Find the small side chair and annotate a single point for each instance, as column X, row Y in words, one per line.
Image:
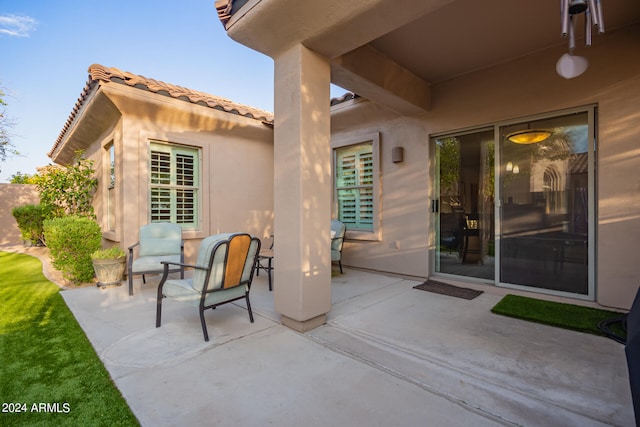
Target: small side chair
column 223, row 273
column 338, row 230
column 265, row 262
column 158, row 242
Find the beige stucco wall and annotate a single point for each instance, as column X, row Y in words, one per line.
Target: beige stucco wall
column 524, row 87
column 11, row 196
column 404, row 189
column 236, row 164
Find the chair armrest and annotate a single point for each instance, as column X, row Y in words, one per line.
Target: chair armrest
column 165, row 273
column 133, row 246
column 168, row 263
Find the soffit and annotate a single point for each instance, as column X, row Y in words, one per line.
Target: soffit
column 434, row 39
column 90, row 119
column 329, row 27
column 468, row 35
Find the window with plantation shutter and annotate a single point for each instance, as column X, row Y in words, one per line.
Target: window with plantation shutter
column 354, row 186
column 174, row 185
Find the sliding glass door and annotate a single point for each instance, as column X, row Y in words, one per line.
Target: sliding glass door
column 464, row 206
column 513, row 202
column 544, row 188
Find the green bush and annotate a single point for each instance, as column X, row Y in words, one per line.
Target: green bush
column 30, row 219
column 71, row 241
column 67, row 190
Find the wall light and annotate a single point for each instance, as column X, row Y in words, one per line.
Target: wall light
column 529, row 136
column 397, row 154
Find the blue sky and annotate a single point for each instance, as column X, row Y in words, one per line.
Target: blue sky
column 47, row 46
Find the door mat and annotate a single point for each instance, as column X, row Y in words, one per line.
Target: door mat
column 450, row 290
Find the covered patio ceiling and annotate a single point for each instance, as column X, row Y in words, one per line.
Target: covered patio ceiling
column 467, row 35
column 418, row 42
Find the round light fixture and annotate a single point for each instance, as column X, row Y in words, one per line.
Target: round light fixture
column 529, row 136
column 569, row 66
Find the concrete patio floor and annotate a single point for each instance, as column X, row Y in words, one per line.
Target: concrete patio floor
column 389, row 355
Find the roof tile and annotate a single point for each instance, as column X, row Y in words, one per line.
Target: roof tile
column 104, row 74
column 99, row 73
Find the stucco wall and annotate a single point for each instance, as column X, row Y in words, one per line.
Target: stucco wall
column 236, row 165
column 524, row 87
column 11, row 196
column 404, row 194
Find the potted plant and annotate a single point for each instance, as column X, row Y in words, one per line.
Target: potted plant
column 109, row 265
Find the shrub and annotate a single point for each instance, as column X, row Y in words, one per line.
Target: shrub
column 71, row 241
column 22, row 178
column 68, row 190
column 30, row 219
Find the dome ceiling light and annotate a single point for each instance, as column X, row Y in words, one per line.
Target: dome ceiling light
column 529, row 136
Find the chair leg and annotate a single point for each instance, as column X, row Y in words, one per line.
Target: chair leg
column 143, row 279
column 130, row 277
column 158, row 311
column 249, row 307
column 204, row 325
column 269, row 269
column 340, row 264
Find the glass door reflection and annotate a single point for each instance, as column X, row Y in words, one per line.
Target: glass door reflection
column 544, row 234
column 465, row 214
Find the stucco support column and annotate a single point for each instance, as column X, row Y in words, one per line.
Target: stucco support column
column 302, row 188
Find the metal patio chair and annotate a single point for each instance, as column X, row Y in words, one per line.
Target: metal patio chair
column 223, row 273
column 337, row 241
column 158, row 242
column 265, row 261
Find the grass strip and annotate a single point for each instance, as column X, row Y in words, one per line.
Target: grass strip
column 567, row 316
column 50, row 374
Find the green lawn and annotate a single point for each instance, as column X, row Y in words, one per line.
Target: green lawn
column 49, row 371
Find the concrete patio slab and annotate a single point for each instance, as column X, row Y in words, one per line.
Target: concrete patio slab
column 389, row 355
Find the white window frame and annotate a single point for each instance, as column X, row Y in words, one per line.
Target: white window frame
column 372, row 234
column 172, row 184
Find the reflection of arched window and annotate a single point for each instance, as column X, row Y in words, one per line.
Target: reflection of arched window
column 552, row 190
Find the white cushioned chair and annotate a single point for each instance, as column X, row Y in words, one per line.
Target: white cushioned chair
column 158, row 242
column 223, row 273
column 338, row 230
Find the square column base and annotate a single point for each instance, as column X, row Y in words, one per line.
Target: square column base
column 305, row 325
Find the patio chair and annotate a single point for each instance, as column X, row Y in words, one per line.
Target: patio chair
column 338, row 230
column 157, row 242
column 265, row 261
column 223, row 273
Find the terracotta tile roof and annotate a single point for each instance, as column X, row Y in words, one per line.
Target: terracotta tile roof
column 224, row 8
column 99, row 73
column 344, row 98
column 104, row 74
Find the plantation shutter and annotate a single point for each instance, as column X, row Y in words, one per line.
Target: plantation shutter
column 174, row 185
column 185, row 197
column 354, row 186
